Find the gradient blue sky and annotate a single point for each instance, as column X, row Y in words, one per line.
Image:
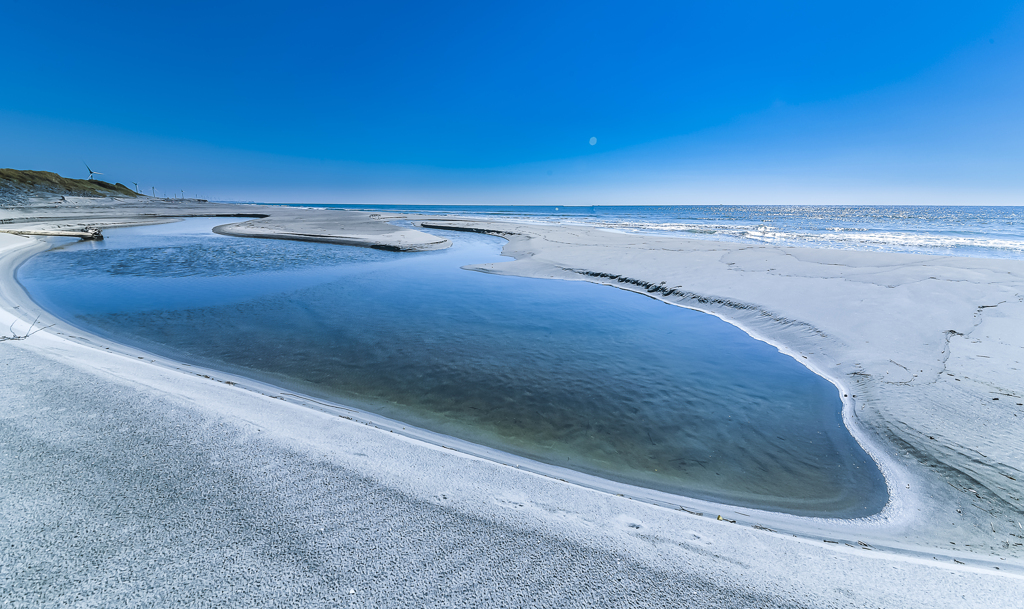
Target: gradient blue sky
column 395, row 102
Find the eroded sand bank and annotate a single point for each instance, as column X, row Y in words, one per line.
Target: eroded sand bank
column 467, row 524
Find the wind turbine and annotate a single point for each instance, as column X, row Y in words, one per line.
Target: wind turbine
column 136, row 187
column 154, row 191
column 91, row 172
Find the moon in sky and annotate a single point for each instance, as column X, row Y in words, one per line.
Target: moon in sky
column 593, row 141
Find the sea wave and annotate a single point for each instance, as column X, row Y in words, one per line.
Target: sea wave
column 991, row 232
column 839, row 237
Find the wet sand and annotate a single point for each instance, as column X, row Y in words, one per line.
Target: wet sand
column 256, row 473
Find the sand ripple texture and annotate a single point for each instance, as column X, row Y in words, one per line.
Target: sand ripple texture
column 121, row 493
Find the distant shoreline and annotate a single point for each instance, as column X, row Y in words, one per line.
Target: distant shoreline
column 963, row 231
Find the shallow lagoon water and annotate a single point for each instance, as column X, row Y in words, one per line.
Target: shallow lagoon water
column 573, row 374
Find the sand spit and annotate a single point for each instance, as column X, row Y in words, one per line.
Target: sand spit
column 359, row 228
column 363, row 229
column 131, row 480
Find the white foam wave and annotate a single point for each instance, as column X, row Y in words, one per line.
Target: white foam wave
column 948, row 239
column 840, row 237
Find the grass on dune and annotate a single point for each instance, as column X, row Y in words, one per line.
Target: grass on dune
column 52, row 182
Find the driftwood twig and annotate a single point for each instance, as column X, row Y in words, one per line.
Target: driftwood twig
column 15, row 336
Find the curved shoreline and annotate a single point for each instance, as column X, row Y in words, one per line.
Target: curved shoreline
column 891, row 471
column 914, row 549
column 895, row 476
column 617, row 260
column 843, row 530
column 589, row 479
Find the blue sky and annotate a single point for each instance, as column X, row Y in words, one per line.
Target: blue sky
column 394, row 102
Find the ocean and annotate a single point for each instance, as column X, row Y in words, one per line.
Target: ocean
column 973, row 231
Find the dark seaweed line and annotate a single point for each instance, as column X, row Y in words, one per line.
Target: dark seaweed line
column 677, row 294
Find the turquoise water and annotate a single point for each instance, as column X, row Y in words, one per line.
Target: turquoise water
column 574, row 374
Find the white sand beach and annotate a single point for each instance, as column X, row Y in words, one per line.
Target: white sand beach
column 129, row 479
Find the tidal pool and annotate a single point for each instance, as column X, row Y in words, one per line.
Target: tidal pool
column 572, row 374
